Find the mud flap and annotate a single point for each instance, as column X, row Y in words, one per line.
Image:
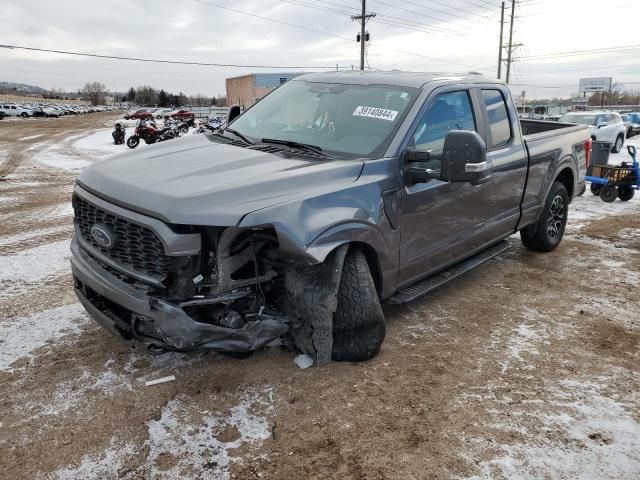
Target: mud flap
column 311, row 302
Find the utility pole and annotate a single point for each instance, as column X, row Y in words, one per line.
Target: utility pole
column 501, row 42
column 363, row 21
column 510, row 50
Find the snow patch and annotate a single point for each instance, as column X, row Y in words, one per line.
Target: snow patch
column 33, row 266
column 594, row 436
column 31, row 137
column 196, row 447
column 21, row 336
column 107, row 466
column 182, row 440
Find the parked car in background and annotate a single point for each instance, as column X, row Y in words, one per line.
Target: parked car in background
column 45, row 112
column 605, row 126
column 181, row 114
column 141, row 114
column 161, row 112
column 632, row 122
column 11, row 110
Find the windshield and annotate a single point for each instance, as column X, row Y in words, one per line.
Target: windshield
column 581, row 119
column 356, row 120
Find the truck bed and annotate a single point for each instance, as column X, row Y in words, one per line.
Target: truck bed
column 547, row 143
column 537, row 129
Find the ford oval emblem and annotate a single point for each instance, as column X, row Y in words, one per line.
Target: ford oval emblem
column 102, row 236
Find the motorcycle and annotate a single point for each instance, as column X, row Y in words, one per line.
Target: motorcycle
column 179, row 124
column 212, row 124
column 147, row 131
column 118, row 134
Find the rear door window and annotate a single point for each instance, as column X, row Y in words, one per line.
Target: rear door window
column 499, row 123
column 450, row 111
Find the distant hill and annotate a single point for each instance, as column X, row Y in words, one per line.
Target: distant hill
column 11, row 87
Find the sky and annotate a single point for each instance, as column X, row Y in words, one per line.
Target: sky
column 315, row 35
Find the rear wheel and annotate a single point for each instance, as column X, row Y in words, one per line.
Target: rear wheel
column 545, row 235
column 619, row 143
column 358, row 322
column 133, row 141
column 609, row 193
column 595, row 189
column 626, row 193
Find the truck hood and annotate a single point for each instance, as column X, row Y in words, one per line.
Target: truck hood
column 197, row 181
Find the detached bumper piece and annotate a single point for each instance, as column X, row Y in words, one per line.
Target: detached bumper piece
column 131, row 314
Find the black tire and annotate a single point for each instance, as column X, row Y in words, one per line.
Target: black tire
column 595, row 189
column 626, row 193
column 358, row 322
column 133, row 141
column 24, row 114
column 618, row 144
column 184, row 128
column 609, row 193
column 546, row 234
column 629, row 134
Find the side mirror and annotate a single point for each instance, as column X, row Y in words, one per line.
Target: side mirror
column 602, row 124
column 415, row 172
column 464, row 158
column 234, row 112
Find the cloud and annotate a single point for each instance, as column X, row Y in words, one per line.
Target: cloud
column 190, row 31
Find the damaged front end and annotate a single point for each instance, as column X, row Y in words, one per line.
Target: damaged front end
column 180, row 288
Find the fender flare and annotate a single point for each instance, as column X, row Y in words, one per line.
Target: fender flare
column 566, row 162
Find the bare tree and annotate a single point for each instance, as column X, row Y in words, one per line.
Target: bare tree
column 94, row 92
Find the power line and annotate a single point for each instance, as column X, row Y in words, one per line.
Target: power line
column 413, row 12
column 453, row 7
column 454, row 15
column 269, row 19
column 337, row 36
column 156, row 60
column 393, row 21
column 571, row 53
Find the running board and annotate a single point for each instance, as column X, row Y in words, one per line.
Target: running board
column 415, row 291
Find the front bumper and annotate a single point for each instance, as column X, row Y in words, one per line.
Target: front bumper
column 131, row 314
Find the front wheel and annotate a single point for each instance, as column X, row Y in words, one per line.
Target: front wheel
column 133, row 141
column 358, row 322
column 596, row 189
column 24, row 114
column 626, row 193
column 545, row 235
column 619, row 143
column 609, row 193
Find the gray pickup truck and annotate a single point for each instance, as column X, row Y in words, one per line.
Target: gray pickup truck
column 332, row 194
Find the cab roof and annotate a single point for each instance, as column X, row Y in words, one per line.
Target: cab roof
column 394, row 77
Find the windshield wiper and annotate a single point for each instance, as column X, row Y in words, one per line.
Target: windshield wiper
column 298, row 145
column 239, row 135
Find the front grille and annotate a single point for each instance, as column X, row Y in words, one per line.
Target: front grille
column 136, row 247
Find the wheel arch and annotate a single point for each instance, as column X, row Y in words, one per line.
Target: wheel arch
column 567, row 177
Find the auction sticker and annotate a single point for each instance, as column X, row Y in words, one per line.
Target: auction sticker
column 374, row 112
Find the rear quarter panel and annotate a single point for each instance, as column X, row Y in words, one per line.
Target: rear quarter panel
column 549, row 154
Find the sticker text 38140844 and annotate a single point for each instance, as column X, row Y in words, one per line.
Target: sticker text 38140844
column 374, row 112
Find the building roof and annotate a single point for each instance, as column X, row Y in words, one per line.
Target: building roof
column 393, row 77
column 273, row 74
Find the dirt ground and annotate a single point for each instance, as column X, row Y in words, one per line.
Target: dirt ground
column 525, row 368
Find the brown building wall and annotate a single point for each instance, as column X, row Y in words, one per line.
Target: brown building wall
column 241, row 90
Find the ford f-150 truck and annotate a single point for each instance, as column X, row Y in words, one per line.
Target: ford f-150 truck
column 332, row 194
